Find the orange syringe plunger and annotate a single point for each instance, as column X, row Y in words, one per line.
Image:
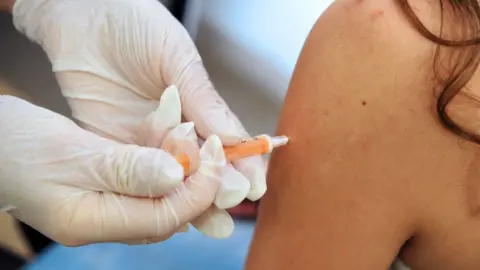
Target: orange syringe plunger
column 184, row 160
column 259, row 145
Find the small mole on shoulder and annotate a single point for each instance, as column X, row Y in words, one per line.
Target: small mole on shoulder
column 364, row 103
column 377, row 14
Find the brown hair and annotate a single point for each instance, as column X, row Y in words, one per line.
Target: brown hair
column 467, row 52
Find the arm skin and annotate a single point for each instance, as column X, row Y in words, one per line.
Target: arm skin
column 367, row 155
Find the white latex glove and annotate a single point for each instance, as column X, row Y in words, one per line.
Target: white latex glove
column 114, row 58
column 67, row 182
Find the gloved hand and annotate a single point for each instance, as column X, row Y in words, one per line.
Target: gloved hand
column 71, row 184
column 114, row 58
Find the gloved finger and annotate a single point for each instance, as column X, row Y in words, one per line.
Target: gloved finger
column 253, row 168
column 215, row 223
column 233, row 190
column 112, row 217
column 167, row 116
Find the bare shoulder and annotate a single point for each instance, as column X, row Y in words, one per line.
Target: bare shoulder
column 368, row 158
column 363, row 91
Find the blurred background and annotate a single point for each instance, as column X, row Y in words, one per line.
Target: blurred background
column 249, row 48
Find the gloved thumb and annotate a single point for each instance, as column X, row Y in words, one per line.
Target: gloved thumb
column 136, row 171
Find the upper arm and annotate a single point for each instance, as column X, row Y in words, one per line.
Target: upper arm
column 343, row 194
